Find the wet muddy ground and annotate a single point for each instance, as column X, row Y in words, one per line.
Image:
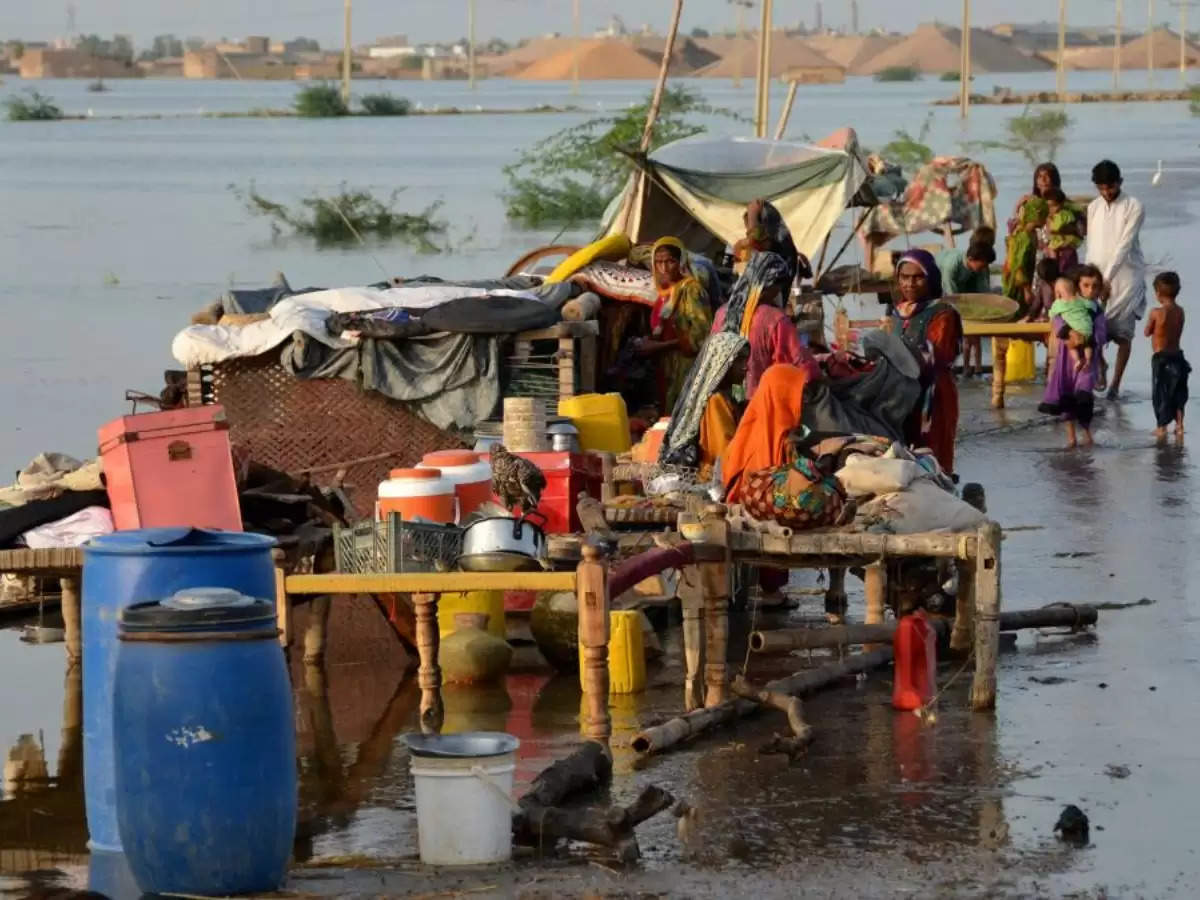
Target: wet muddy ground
column 882, row 805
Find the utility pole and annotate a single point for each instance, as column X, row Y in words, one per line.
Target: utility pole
column 763, row 106
column 346, row 60
column 1117, row 49
column 1183, row 27
column 1061, row 78
column 471, row 43
column 739, row 52
column 964, row 71
column 854, row 16
column 575, row 47
column 1150, row 44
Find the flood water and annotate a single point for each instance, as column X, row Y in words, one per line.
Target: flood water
column 114, row 232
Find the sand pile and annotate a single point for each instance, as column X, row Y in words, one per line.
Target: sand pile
column 852, row 52
column 520, row 57
column 937, row 49
column 599, row 59
column 740, row 56
column 1135, row 54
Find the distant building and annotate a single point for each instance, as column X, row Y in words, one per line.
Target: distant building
column 258, row 45
column 48, row 63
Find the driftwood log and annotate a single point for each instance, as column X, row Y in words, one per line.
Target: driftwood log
column 795, row 745
column 542, row 819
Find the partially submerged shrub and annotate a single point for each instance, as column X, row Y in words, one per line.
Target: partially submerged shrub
column 898, row 73
column 320, row 101
column 33, row 107
column 385, row 105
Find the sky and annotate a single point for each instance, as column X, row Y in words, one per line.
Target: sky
column 428, row 20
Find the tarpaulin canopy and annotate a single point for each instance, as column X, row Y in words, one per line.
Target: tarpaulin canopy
column 708, row 181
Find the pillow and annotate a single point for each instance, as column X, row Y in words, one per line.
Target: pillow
column 617, row 282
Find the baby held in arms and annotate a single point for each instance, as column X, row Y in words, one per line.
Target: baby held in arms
column 1078, row 313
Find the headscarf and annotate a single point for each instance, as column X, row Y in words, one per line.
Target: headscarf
column 705, row 377
column 1021, row 249
column 666, row 308
column 761, row 439
column 764, row 269
column 774, row 235
column 924, row 261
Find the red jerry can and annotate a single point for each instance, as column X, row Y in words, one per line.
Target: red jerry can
column 916, row 662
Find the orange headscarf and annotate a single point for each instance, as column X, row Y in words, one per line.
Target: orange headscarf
column 761, row 438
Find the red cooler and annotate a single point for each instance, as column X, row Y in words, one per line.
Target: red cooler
column 567, row 475
column 169, row 469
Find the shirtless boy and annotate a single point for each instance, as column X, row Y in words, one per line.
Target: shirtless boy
column 1168, row 369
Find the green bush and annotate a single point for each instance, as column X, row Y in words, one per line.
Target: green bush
column 898, row 73
column 569, row 178
column 348, row 216
column 36, row 107
column 952, row 76
column 910, row 151
column 385, row 105
column 1038, row 136
column 320, row 101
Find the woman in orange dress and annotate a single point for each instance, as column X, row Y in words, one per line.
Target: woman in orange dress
column 933, row 330
column 761, row 438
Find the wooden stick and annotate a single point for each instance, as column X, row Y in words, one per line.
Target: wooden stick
column 318, row 623
column 592, row 591
column 861, row 544
column 1061, row 615
column 875, row 591
column 714, row 580
column 836, row 600
column 962, row 637
column 429, row 675
column 792, row 706
column 999, row 370
column 70, row 613
column 780, row 128
column 660, row 86
column 283, row 606
column 987, row 617
column 787, row 640
column 693, row 654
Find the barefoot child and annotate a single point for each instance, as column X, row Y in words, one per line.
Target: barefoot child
column 1091, row 286
column 1069, row 389
column 1078, row 313
column 1168, row 369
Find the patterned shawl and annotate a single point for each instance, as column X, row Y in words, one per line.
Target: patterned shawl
column 709, row 370
column 764, row 270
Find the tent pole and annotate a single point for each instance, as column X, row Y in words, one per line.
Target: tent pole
column 786, row 112
column 853, row 231
column 656, row 102
column 763, row 107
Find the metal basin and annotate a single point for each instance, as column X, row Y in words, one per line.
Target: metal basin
column 467, row 744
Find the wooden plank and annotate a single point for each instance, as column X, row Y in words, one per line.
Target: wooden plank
column 588, row 328
column 429, row 582
column 860, row 544
column 987, row 618
column 1006, row 329
column 45, row 561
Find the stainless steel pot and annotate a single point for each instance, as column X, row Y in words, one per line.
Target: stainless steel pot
column 564, row 437
column 503, row 544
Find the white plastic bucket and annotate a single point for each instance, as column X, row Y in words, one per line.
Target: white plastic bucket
column 464, row 808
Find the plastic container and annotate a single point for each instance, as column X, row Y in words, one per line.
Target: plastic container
column 489, row 603
column 626, row 653
column 418, row 492
column 916, row 662
column 463, row 784
column 131, row 567
column 471, row 477
column 206, row 745
column 1019, row 361
column 649, row 447
column 171, row 468
column 602, row 420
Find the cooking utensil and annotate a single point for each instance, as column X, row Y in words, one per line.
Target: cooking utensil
column 564, row 437
column 503, row 544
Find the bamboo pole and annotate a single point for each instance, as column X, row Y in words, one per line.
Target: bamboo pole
column 471, row 43
column 875, row 546
column 1150, row 44
column 429, row 675
column 784, row 115
column 691, row 597
column 660, row 86
column 962, row 636
column 1060, row 79
column 987, row 617
column 740, row 52
column 575, row 47
column 346, row 61
column 318, row 623
column 283, row 606
column 999, row 370
column 836, row 600
column 71, row 610
column 964, row 74
column 762, row 108
column 1117, row 48
column 875, row 593
column 592, row 592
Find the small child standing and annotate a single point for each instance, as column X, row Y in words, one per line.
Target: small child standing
column 1062, row 224
column 1043, row 291
column 1168, row 369
column 1078, row 313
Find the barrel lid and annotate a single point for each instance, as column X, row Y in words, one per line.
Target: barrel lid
column 449, row 458
column 181, row 540
column 415, row 474
column 198, row 607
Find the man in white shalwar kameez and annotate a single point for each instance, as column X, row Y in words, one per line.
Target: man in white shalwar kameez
column 1114, row 247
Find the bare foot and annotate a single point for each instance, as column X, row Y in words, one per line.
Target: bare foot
column 1160, row 434
column 1072, row 443
column 1114, row 392
column 1087, row 437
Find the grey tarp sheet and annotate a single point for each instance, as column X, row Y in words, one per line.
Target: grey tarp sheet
column 450, row 380
column 877, row 402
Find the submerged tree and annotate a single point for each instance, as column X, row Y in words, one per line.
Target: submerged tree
column 1038, row 136
column 909, row 151
column 348, row 216
column 570, row 177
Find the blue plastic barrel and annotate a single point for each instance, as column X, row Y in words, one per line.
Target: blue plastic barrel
column 131, row 567
column 205, row 745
